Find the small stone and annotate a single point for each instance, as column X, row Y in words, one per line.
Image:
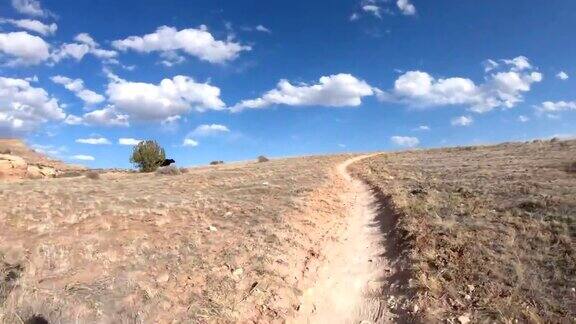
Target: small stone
column 238, row 272
column 464, row 319
column 212, row 228
column 163, row 278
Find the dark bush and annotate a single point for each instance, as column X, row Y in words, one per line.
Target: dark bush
column 147, row 156
column 216, row 162
column 92, row 175
column 262, row 158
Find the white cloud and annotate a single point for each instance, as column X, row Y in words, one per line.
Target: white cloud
column 462, row 121
column 519, row 63
column 129, row 141
column 30, row 7
column 407, row 141
column 523, row 119
column 77, row 87
column 83, row 157
column 406, row 7
column 355, row 16
column 85, row 44
column 189, row 142
column 196, row 42
column 502, row 89
column 562, row 75
column 372, row 9
column 107, row 116
column 490, row 65
column 23, row 48
column 263, row 29
column 32, row 25
column 24, row 107
column 208, row 130
column 94, row 141
column 337, row 90
column 423, row 128
column 170, row 97
column 558, row 106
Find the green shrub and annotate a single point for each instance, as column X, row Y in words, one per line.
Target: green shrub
column 147, row 156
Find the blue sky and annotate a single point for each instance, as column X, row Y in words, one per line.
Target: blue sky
column 231, row 80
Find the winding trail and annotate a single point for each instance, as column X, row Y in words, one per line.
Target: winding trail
column 351, row 284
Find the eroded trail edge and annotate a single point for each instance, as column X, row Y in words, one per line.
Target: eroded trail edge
column 355, row 279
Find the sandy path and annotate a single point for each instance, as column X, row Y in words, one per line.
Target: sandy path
column 350, row 284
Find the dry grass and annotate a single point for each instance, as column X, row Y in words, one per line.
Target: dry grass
column 490, row 230
column 210, row 245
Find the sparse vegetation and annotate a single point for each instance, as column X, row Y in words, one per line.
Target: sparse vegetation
column 213, row 246
column 216, row 162
column 490, row 232
column 571, row 168
column 262, row 158
column 92, row 175
column 147, row 155
column 168, row 170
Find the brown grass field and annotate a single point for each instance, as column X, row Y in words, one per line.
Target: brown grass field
column 214, row 244
column 473, row 235
column 489, row 231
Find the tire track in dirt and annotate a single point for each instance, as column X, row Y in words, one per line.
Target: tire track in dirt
column 351, row 284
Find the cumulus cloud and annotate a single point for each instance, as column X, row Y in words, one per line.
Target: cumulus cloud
column 406, row 7
column 107, row 116
column 83, row 157
column 423, row 128
column 407, row 141
column 462, row 121
column 523, row 119
column 23, row 48
column 558, row 106
column 197, row 42
column 77, row 87
column 502, row 89
column 562, row 75
column 32, row 25
column 84, row 45
column 209, row 130
column 337, row 90
column 24, row 107
column 94, row 141
column 263, row 29
column 189, row 142
column 372, row 9
column 129, row 141
column 30, row 7
column 171, row 97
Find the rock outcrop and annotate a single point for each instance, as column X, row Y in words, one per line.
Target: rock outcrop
column 17, row 161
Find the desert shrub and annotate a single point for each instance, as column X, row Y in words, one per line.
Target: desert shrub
column 147, row 155
column 92, row 175
column 262, row 158
column 183, row 170
column 168, row 170
column 571, row 167
column 216, row 162
column 69, row 174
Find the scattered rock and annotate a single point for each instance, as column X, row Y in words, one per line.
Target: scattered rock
column 464, row 319
column 163, row 278
column 212, row 228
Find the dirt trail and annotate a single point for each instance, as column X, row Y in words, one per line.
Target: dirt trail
column 351, row 282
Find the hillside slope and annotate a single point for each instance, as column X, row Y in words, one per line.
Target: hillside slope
column 490, row 230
